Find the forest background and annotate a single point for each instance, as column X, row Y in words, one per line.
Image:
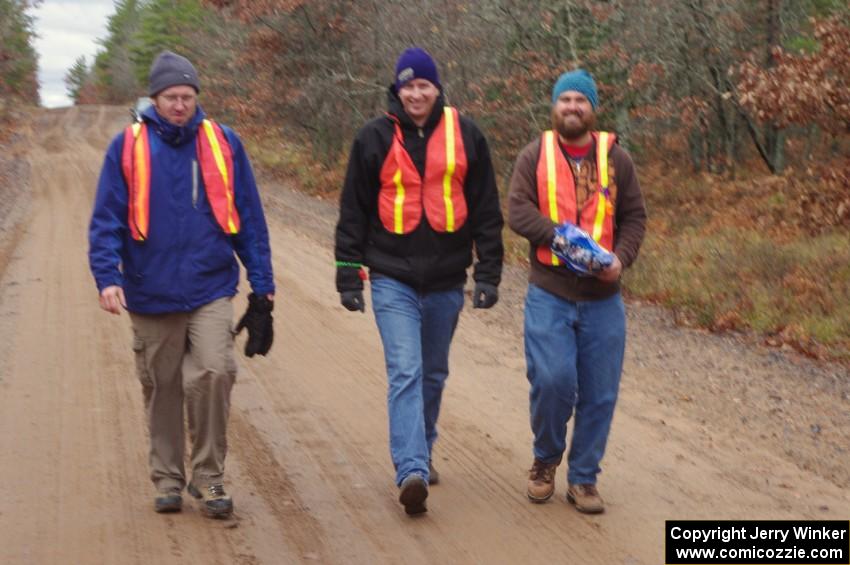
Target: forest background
column 737, row 113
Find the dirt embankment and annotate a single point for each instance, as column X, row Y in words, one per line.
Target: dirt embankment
column 14, row 184
column 706, row 428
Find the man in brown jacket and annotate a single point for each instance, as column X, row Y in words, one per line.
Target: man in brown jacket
column 575, row 325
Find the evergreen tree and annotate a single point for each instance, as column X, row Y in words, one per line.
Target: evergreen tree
column 18, row 60
column 76, row 78
column 166, row 25
column 114, row 69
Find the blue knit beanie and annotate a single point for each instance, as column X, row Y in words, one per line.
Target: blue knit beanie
column 578, row 80
column 416, row 63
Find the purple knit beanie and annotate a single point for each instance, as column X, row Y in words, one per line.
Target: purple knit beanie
column 416, row 63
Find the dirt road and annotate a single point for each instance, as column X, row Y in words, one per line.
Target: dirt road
column 706, row 427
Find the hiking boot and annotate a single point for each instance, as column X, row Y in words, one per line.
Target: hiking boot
column 541, row 481
column 215, row 502
column 169, row 501
column 412, row 494
column 585, row 498
column 433, row 474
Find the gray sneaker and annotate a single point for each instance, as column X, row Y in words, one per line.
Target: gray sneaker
column 412, row 494
column 215, row 502
column 169, row 501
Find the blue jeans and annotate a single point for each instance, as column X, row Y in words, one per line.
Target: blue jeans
column 574, row 354
column 416, row 329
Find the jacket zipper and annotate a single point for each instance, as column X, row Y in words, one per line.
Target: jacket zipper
column 575, row 189
column 194, row 183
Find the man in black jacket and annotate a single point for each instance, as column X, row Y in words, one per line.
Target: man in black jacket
column 419, row 192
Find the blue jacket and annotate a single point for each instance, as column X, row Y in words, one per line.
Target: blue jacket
column 187, row 260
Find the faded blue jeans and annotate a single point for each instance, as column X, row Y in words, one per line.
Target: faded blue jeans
column 416, row 329
column 574, row 355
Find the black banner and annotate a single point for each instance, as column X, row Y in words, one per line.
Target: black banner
column 767, row 542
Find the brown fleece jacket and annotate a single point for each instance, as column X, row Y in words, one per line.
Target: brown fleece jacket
column 525, row 218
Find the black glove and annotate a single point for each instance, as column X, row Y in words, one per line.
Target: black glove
column 485, row 295
column 258, row 320
column 353, row 300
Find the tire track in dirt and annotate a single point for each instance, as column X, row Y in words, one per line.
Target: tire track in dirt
column 269, row 478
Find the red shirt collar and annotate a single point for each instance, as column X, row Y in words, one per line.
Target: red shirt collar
column 577, row 151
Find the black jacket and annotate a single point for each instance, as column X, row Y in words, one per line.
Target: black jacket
column 424, row 259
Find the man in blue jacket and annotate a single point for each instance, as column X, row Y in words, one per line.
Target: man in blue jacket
column 176, row 197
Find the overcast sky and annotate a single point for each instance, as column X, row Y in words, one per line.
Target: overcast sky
column 66, row 29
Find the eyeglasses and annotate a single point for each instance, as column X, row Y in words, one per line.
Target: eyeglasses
column 186, row 99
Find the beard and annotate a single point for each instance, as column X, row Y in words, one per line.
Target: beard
column 573, row 130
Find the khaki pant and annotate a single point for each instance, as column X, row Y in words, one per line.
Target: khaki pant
column 186, row 356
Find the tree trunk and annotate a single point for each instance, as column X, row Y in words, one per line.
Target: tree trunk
column 774, row 142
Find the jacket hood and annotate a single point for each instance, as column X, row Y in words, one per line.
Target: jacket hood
column 396, row 108
column 170, row 133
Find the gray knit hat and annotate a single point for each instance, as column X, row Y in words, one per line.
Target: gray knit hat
column 170, row 69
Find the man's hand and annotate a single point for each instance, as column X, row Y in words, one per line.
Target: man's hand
column 352, row 300
column 485, row 295
column 258, row 319
column 612, row 272
column 112, row 299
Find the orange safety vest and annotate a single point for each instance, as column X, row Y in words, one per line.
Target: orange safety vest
column 404, row 192
column 556, row 193
column 216, row 162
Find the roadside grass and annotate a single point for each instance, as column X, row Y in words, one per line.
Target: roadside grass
column 765, row 254
column 736, row 279
column 298, row 163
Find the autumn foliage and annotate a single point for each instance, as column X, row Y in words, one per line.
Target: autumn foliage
column 803, row 89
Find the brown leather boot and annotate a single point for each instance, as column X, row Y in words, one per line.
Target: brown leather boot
column 412, row 494
column 541, row 481
column 586, row 499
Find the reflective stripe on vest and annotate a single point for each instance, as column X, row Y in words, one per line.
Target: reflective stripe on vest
column 556, row 193
column 602, row 189
column 136, row 164
column 404, row 193
column 216, row 162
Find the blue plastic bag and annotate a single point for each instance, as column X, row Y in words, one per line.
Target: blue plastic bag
column 579, row 252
